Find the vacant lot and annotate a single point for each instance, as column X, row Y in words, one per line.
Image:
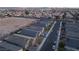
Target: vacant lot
column 10, row 24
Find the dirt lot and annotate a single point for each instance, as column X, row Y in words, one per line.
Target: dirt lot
column 8, row 25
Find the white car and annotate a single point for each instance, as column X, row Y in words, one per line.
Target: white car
column 53, row 47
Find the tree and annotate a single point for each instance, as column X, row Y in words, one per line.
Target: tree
column 2, row 15
column 61, row 45
column 8, row 15
column 26, row 12
column 64, row 15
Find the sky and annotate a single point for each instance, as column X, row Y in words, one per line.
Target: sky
column 39, row 3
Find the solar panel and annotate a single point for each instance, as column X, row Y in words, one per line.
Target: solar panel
column 9, row 46
column 3, row 49
column 68, row 49
column 73, row 43
column 43, row 20
column 16, row 40
column 39, row 24
column 34, row 28
column 27, row 32
column 72, row 35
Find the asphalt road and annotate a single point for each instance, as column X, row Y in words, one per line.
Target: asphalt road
column 47, row 46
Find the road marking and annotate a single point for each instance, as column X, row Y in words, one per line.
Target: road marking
column 58, row 38
column 38, row 49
